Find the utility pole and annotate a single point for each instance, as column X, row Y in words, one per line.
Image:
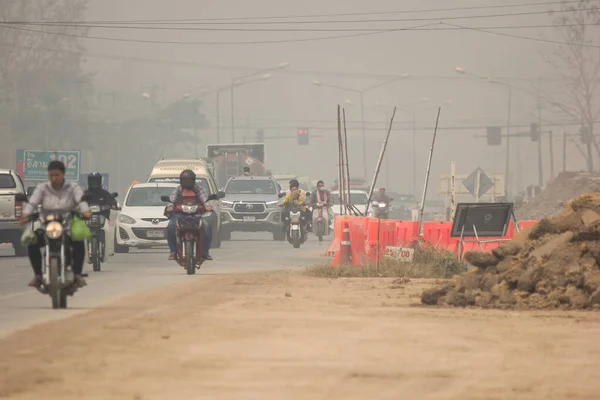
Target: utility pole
column 540, row 164
column 364, row 136
column 565, row 152
column 506, row 175
column 414, row 155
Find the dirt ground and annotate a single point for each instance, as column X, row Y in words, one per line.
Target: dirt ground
column 288, row 336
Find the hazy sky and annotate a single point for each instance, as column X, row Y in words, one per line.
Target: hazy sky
column 289, row 99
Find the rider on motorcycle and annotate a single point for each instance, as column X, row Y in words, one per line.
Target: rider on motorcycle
column 381, row 197
column 187, row 180
column 321, row 195
column 294, row 197
column 100, row 197
column 60, row 196
column 306, row 213
column 246, row 171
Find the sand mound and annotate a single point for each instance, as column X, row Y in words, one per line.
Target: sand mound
column 554, row 264
column 566, row 186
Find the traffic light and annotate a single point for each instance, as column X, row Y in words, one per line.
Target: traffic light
column 260, row 136
column 494, row 136
column 303, row 136
column 534, row 132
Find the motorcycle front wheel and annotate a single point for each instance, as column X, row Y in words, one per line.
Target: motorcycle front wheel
column 95, row 254
column 59, row 298
column 296, row 239
column 190, row 260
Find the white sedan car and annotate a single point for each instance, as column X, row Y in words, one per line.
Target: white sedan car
column 141, row 222
column 358, row 198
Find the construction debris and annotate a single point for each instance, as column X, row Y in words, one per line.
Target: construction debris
column 554, row 264
column 550, row 201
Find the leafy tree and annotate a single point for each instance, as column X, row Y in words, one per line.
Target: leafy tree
column 42, row 86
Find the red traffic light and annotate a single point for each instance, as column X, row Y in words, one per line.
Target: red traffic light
column 302, row 131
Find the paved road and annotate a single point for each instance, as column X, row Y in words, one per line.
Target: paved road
column 140, row 270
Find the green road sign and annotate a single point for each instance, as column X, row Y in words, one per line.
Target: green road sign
column 35, row 163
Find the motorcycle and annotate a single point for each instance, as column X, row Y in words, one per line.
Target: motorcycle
column 187, row 225
column 379, row 209
column 296, row 234
column 320, row 223
column 96, row 245
column 57, row 274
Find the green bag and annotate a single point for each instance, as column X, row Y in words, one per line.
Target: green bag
column 79, row 230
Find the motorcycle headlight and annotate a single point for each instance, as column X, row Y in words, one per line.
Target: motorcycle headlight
column 320, row 204
column 54, row 230
column 381, row 205
column 273, row 204
column 95, row 209
column 125, row 219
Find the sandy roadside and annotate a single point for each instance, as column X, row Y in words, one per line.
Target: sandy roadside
column 287, row 336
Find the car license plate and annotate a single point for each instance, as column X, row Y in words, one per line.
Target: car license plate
column 249, row 219
column 155, row 234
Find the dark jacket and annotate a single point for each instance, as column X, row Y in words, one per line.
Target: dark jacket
column 101, row 197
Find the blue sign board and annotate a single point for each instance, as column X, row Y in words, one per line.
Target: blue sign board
column 34, row 163
column 83, row 180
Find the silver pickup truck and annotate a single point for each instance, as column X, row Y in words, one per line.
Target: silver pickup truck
column 10, row 211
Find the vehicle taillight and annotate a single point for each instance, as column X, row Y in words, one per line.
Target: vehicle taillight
column 18, row 209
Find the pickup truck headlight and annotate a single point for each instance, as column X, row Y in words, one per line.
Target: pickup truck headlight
column 273, row 204
column 227, row 204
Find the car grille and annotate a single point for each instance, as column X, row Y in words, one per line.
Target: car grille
column 142, row 233
column 155, row 219
column 249, row 208
column 257, row 216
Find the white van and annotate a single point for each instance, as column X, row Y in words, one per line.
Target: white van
column 168, row 171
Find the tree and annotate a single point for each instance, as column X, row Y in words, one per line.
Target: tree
column 578, row 65
column 42, row 85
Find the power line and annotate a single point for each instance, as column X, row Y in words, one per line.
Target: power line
column 379, row 30
column 166, row 21
column 287, row 71
column 414, row 28
column 207, row 43
column 527, row 37
column 422, row 19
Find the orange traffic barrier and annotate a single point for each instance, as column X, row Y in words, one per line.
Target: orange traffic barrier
column 406, row 233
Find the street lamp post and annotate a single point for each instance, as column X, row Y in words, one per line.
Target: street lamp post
column 362, row 110
column 233, row 84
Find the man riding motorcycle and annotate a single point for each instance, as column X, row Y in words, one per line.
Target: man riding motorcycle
column 246, row 171
column 294, row 197
column 60, row 196
column 101, row 197
column 306, row 213
column 187, row 181
column 381, row 197
column 322, row 195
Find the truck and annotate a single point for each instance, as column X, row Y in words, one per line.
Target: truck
column 355, row 184
column 11, row 210
column 228, row 160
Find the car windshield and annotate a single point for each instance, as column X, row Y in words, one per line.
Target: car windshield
column 355, row 198
column 200, row 181
column 7, row 181
column 251, row 186
column 148, row 196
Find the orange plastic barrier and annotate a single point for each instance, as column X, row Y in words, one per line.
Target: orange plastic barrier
column 364, row 239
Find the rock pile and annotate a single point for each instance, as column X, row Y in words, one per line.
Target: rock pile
column 554, row 264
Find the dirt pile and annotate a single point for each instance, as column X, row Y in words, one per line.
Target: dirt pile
column 554, row 264
column 566, row 186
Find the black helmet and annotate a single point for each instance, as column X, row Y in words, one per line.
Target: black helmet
column 294, row 183
column 187, row 179
column 94, row 180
